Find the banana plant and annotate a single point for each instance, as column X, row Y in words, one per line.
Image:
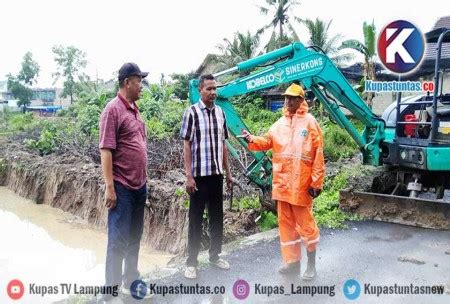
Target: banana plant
column 367, row 48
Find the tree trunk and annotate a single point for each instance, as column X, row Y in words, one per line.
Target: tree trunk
column 369, row 74
column 280, row 39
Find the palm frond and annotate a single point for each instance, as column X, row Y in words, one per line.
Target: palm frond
column 263, row 29
column 263, row 10
column 342, row 58
column 293, row 32
column 354, row 45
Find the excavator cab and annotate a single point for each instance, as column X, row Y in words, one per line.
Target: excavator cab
column 422, row 121
column 416, row 189
column 422, row 130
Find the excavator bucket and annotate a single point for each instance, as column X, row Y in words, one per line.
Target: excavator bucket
column 419, row 212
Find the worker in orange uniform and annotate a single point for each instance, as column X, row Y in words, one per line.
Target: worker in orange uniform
column 298, row 172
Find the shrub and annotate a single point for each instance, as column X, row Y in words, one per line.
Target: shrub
column 21, row 122
column 87, row 119
column 249, row 202
column 326, row 205
column 337, row 142
column 268, row 221
column 48, row 138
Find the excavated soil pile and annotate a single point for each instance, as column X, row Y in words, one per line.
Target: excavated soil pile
column 383, row 207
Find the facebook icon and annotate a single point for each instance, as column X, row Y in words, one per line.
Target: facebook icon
column 138, row 289
column 401, row 46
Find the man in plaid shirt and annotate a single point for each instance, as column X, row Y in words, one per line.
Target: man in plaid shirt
column 204, row 131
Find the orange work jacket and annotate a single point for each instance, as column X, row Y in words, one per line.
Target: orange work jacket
column 297, row 146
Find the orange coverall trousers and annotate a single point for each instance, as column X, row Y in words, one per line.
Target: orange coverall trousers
column 296, row 224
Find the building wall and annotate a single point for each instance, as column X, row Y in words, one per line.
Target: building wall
column 3, row 90
column 47, row 96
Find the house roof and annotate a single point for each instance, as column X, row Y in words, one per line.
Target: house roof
column 208, row 66
column 356, row 71
column 441, row 24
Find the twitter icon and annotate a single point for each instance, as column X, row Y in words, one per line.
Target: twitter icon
column 352, row 289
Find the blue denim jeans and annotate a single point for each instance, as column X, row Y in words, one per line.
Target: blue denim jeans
column 125, row 226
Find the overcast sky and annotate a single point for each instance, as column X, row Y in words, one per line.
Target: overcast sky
column 170, row 35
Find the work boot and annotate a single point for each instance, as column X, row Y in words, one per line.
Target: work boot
column 290, row 268
column 310, row 273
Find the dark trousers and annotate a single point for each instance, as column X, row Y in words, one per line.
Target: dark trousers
column 209, row 193
column 125, row 226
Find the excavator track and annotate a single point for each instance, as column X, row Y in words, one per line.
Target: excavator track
column 419, row 212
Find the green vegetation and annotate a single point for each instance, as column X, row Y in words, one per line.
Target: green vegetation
column 243, row 47
column 19, row 85
column 19, row 122
column 162, row 114
column 368, row 50
column 251, row 108
column 337, row 142
column 180, row 191
column 186, row 204
column 50, row 136
column 162, row 104
column 248, row 202
column 319, row 36
column 326, row 206
column 268, row 221
column 70, row 61
column 281, row 16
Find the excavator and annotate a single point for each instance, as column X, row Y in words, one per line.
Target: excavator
column 411, row 140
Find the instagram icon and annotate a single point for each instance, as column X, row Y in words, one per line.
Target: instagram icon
column 241, row 289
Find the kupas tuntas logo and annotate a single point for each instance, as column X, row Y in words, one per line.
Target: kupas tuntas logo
column 401, row 46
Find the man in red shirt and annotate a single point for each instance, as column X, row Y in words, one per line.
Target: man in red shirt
column 123, row 152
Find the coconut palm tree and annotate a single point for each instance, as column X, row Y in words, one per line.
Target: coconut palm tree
column 319, row 36
column 368, row 50
column 243, row 47
column 281, row 26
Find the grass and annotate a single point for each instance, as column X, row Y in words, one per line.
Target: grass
column 6, row 133
column 326, row 206
column 337, row 142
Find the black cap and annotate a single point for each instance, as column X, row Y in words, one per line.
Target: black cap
column 130, row 69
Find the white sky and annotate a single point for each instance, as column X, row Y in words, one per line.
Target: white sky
column 170, row 35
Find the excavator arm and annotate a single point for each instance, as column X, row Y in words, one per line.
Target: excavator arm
column 316, row 72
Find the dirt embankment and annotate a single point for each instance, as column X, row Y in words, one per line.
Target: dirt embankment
column 74, row 184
